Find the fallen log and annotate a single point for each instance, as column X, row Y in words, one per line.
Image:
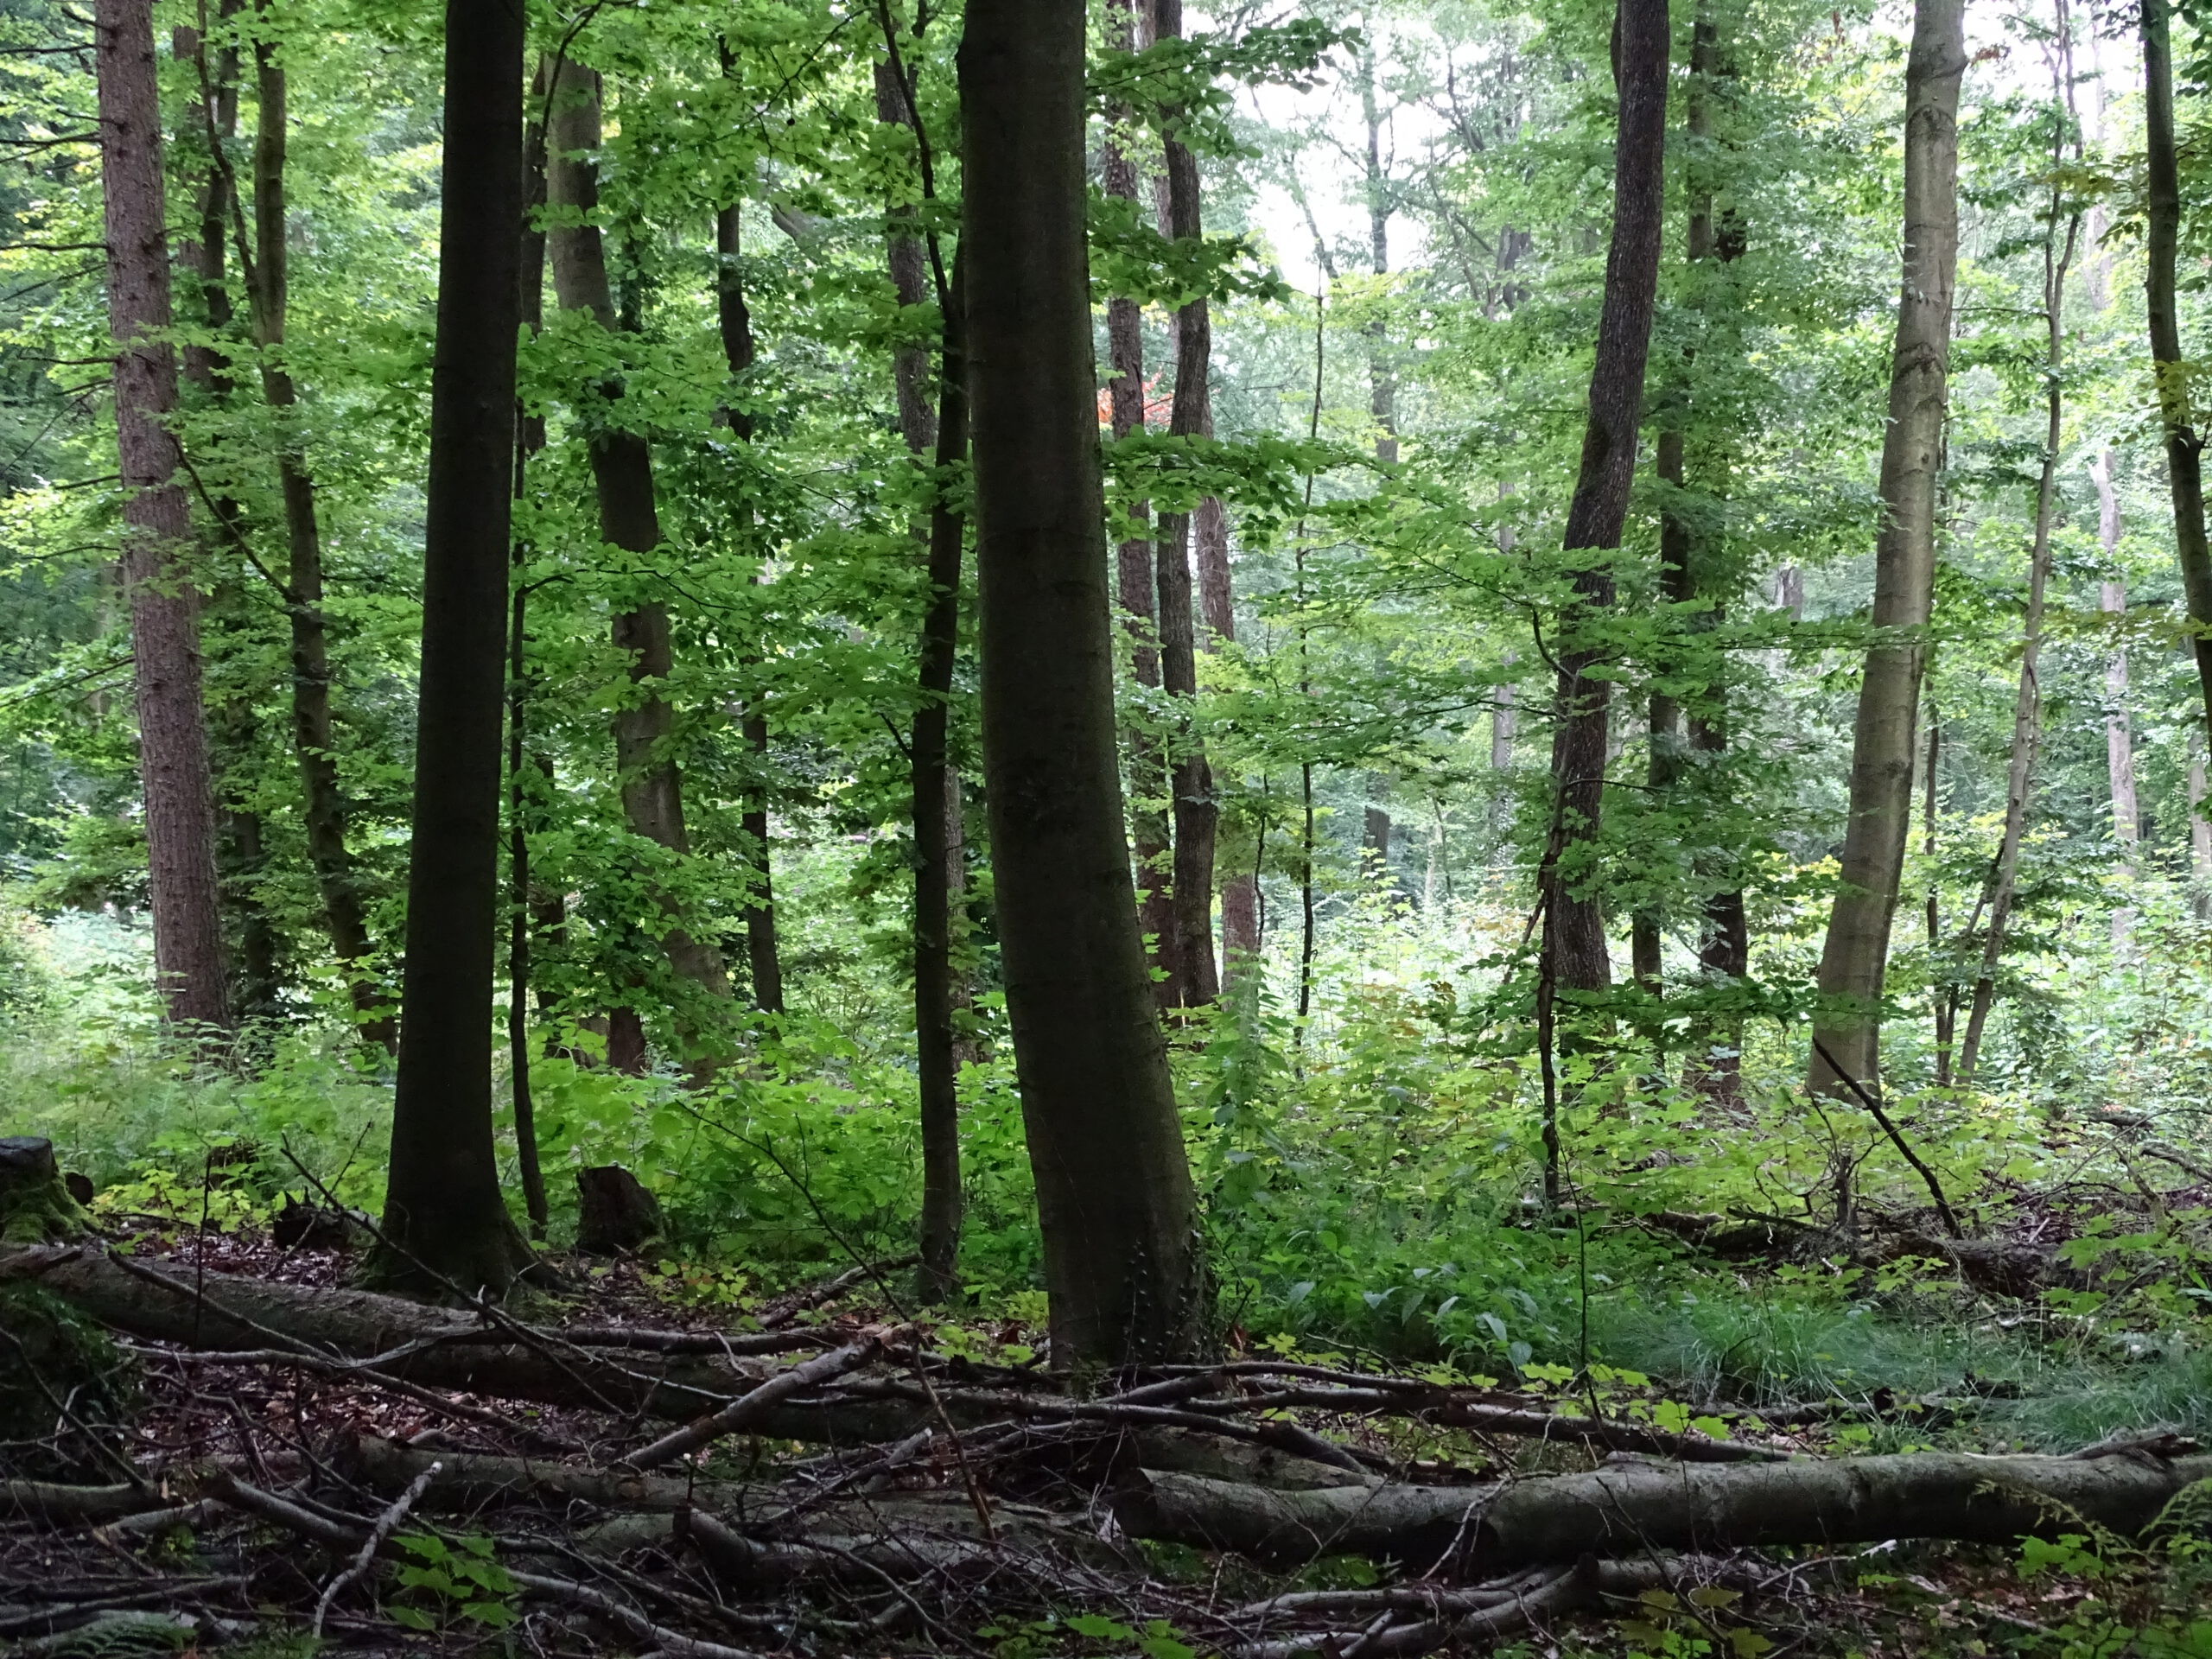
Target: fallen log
column 467, row 1481
column 438, row 1348
column 51, row 1502
column 1457, row 1617
column 1636, row 1506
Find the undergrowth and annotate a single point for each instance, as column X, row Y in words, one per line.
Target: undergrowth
column 1371, row 1184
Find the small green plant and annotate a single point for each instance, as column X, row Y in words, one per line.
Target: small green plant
column 451, row 1581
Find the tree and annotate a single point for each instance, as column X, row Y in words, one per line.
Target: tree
column 1115, row 1204
column 2169, row 365
column 178, row 789
column 935, row 807
column 1574, row 927
column 1196, row 980
column 1136, row 584
column 622, row 477
column 1854, row 959
column 444, row 1220
column 314, row 736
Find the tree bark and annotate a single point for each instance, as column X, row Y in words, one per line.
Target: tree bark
column 213, row 116
column 2169, row 365
column 622, row 476
column 1150, row 845
column 529, row 438
column 1382, row 383
column 2111, row 600
column 1636, row 1508
column 2027, row 712
column 442, row 1208
column 2200, row 834
column 1574, row 927
column 937, row 1059
column 176, row 783
column 313, row 739
column 763, row 955
column 1190, row 780
column 1115, row 1204
column 1855, row 957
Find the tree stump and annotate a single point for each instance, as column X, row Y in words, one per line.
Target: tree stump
column 618, row 1214
column 35, row 1206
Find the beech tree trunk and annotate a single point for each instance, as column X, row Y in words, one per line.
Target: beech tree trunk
column 175, row 780
column 2027, row 713
column 622, row 475
column 1574, row 925
column 1136, row 583
column 1115, row 1204
column 313, row 739
column 1382, row 381
column 443, row 1212
column 936, row 1057
column 212, row 119
column 1197, row 817
column 763, row 957
column 1855, row 957
column 1637, row 1508
column 2111, row 600
column 2168, row 365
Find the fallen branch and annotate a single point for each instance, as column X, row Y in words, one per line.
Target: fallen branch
column 385, row 1524
column 1562, row 1517
column 755, row 1406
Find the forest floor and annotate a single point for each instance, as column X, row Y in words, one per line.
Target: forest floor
column 247, row 1470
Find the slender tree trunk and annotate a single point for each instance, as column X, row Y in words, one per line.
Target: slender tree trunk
column 177, row 785
column 763, row 953
column 1383, row 384
column 937, row 1060
column 1196, row 814
column 212, row 116
column 2027, row 713
column 1115, row 1204
column 314, row 738
column 1854, row 959
column 2120, row 740
column 1134, row 579
column 2200, row 836
column 2111, row 600
column 622, row 475
column 443, row 1214
column 1574, row 927
column 2176, row 414
column 529, row 438
column 1943, row 985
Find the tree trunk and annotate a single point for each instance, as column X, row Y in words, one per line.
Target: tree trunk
column 1383, row 384
column 1148, row 833
column 529, row 438
column 2200, row 836
column 763, row 956
column 937, row 1061
column 2111, row 600
column 177, row 787
column 1190, row 780
column 314, row 740
column 1723, row 944
column 1636, row 1508
column 1115, row 1204
column 2169, row 365
column 1574, row 927
column 1855, row 956
column 622, row 475
column 443, row 1212
column 212, row 117
column 2027, row 712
